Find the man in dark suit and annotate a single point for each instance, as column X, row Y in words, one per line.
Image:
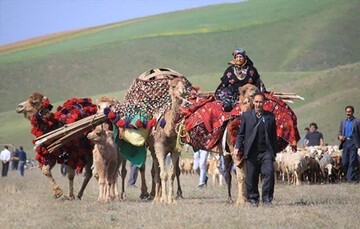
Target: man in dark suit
column 349, row 136
column 256, row 140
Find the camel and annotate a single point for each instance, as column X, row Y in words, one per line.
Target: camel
column 163, row 141
column 246, row 93
column 37, row 109
column 107, row 161
column 103, row 103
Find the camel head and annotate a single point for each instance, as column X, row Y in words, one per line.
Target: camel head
column 246, row 96
column 100, row 134
column 35, row 103
column 177, row 89
column 105, row 102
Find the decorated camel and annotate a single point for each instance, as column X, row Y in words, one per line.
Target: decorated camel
column 205, row 123
column 76, row 153
column 162, row 141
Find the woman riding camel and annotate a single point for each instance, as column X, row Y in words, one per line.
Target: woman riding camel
column 240, row 72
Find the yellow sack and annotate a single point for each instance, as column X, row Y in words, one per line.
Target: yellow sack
column 136, row 137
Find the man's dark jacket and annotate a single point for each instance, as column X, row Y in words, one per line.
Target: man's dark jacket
column 246, row 134
column 355, row 131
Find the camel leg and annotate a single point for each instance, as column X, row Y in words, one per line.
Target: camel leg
column 228, row 165
column 178, row 173
column 111, row 174
column 87, row 176
column 153, row 183
column 144, row 190
column 156, row 183
column 172, row 171
column 123, row 176
column 46, row 170
column 242, row 194
column 70, row 175
column 160, row 155
column 101, row 180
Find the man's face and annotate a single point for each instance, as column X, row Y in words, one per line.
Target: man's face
column 349, row 112
column 258, row 103
column 312, row 128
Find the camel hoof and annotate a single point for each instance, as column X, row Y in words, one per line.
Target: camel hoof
column 144, row 196
column 69, row 198
column 229, row 201
column 122, row 196
column 240, row 202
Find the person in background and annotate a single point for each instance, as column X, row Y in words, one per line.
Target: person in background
column 241, row 71
column 5, row 156
column 14, row 163
column 200, row 159
column 302, row 140
column 314, row 137
column 349, row 136
column 256, row 140
column 134, row 171
column 22, row 161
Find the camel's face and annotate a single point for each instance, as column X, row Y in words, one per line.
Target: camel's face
column 31, row 106
column 99, row 134
column 177, row 88
column 105, row 102
column 246, row 96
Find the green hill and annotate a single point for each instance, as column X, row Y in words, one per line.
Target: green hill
column 307, row 47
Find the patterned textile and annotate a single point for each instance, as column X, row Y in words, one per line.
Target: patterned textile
column 205, row 122
column 286, row 121
column 144, row 101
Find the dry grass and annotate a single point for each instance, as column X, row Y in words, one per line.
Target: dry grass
column 27, row 202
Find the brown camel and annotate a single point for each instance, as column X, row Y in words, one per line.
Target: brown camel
column 163, row 141
column 37, row 109
column 107, row 161
column 106, row 102
column 246, row 93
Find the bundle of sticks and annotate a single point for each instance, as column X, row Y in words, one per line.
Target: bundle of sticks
column 64, row 134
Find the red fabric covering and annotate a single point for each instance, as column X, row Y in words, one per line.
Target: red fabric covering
column 205, row 122
column 71, row 111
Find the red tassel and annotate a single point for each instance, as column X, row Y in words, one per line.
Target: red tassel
column 138, row 123
column 120, row 123
column 111, row 115
column 151, row 123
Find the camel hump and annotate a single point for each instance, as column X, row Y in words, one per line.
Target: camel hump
column 160, row 73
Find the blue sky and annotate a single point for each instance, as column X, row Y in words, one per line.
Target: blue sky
column 24, row 19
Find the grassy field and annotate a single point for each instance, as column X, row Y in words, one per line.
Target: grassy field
column 306, row 47
column 27, row 203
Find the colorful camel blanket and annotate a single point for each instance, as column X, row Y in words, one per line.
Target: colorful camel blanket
column 74, row 152
column 205, row 122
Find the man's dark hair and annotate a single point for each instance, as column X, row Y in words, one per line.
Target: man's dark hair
column 307, row 128
column 259, row 93
column 21, row 148
column 314, row 125
column 351, row 107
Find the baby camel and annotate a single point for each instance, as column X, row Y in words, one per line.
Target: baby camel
column 107, row 161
